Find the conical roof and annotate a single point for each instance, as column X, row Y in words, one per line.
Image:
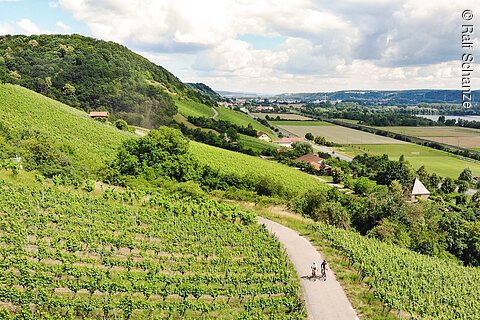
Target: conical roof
column 419, row 188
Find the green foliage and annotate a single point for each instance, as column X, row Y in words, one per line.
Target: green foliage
column 90, row 74
column 448, row 185
column 51, row 136
column 466, row 175
column 423, row 287
column 138, row 255
column 121, row 125
column 309, row 136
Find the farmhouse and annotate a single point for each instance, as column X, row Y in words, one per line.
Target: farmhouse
column 99, row 114
column 314, row 160
column 263, row 136
column 419, row 191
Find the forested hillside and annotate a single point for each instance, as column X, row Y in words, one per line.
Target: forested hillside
column 92, row 74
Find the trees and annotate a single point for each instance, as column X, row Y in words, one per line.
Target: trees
column 448, row 186
column 309, row 136
column 466, row 175
column 337, row 175
column 301, row 148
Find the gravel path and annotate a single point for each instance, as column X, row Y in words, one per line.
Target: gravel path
column 325, row 300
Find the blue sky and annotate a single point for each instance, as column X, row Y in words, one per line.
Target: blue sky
column 272, row 46
column 41, row 14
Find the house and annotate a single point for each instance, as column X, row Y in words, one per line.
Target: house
column 419, row 191
column 99, row 114
column 314, row 160
column 263, row 136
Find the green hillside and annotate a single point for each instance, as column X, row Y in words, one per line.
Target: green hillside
column 206, row 90
column 23, row 113
column 92, row 74
column 67, row 256
column 241, row 119
column 230, row 162
column 192, row 108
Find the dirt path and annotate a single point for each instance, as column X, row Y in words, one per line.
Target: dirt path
column 325, row 300
column 215, row 113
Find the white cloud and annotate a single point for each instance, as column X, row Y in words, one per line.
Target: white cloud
column 333, row 44
column 28, row 27
column 62, row 26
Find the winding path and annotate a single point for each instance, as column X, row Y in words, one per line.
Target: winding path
column 215, row 113
column 325, row 300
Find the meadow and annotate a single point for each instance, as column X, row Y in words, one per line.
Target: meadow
column 441, row 162
column 230, row 162
column 241, row 119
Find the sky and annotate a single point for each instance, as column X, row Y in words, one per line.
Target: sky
column 274, row 46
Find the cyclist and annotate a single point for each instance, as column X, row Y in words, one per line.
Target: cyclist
column 323, row 268
column 314, row 269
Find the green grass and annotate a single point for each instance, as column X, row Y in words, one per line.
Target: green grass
column 237, row 163
column 241, row 119
column 300, row 123
column 191, row 108
column 440, row 162
column 92, row 142
column 256, row 144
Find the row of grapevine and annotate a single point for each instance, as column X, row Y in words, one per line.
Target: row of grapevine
column 137, row 255
column 422, row 286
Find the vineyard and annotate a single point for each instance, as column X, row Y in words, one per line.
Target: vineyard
column 241, row 119
column 230, row 162
column 417, row 285
column 91, row 142
column 132, row 255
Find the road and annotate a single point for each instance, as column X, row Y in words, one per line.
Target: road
column 324, row 300
column 332, row 153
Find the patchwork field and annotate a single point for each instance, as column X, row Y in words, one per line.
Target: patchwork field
column 334, row 133
column 455, row 136
column 440, row 162
column 283, row 116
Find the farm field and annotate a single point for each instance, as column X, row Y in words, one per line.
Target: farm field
column 191, row 108
column 137, row 256
column 283, row 116
column 337, row 134
column 440, row 162
column 234, row 163
column 300, row 123
column 241, row 119
column 91, row 142
column 455, row 136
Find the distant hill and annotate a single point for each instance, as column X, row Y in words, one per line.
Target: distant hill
column 92, row 74
column 376, row 97
column 205, row 90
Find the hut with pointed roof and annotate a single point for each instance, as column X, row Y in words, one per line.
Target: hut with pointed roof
column 419, row 191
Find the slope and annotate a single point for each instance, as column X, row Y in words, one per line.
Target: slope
column 89, row 143
column 92, row 74
column 230, row 162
